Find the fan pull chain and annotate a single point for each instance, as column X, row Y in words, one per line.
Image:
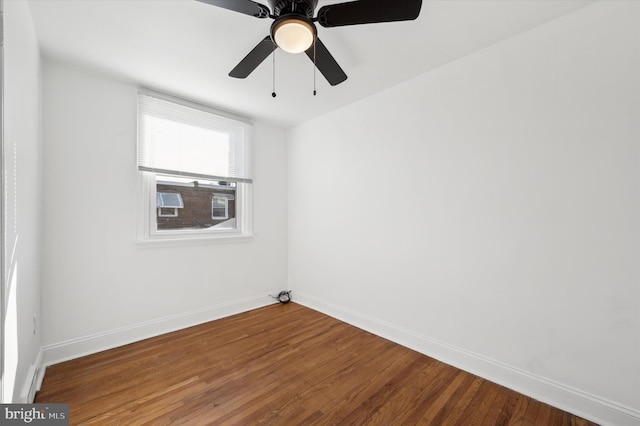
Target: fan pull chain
column 314, row 64
column 273, row 94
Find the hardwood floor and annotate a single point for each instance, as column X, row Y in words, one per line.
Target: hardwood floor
column 281, row 365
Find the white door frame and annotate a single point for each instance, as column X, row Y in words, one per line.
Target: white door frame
column 2, row 203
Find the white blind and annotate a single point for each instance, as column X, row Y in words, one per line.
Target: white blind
column 181, row 138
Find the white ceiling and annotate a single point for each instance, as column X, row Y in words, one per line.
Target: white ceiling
column 187, row 48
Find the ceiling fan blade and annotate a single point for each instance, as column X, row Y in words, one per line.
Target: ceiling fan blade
column 243, row 6
column 326, row 64
column 254, row 58
column 368, row 12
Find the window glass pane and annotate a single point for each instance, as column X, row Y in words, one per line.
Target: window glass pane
column 219, row 213
column 206, row 204
column 167, row 212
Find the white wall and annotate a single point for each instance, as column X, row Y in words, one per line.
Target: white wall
column 488, row 213
column 101, row 288
column 22, row 180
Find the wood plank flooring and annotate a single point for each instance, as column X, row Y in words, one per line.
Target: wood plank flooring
column 281, row 365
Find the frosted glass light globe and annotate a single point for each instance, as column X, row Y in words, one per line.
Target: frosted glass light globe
column 293, row 35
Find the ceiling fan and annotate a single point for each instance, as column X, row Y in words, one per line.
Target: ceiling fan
column 294, row 31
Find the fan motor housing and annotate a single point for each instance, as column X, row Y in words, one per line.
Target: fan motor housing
column 298, row 7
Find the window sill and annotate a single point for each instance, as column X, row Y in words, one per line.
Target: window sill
column 182, row 240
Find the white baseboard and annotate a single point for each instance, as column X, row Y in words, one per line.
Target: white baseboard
column 555, row 394
column 32, row 381
column 39, row 378
column 75, row 348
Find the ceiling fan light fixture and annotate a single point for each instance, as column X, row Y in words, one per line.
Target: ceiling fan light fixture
column 293, row 34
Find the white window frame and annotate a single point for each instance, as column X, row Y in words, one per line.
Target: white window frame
column 147, row 229
column 147, row 232
column 226, row 207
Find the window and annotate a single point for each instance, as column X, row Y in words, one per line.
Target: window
column 195, row 168
column 167, row 212
column 219, row 207
column 168, row 204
